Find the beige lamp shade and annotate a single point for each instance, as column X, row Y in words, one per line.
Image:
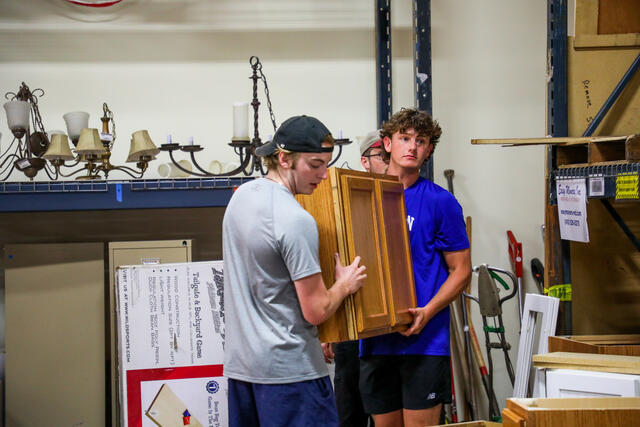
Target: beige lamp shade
column 141, row 145
column 89, row 142
column 59, row 148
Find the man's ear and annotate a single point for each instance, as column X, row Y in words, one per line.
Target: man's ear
column 387, row 144
column 365, row 162
column 430, row 150
column 284, row 160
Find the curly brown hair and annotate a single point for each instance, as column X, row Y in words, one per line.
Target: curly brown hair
column 411, row 118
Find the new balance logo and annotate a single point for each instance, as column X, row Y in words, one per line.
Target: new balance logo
column 431, row 396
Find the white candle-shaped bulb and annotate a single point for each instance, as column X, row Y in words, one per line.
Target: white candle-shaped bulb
column 190, row 140
column 339, row 133
column 240, row 121
column 169, row 139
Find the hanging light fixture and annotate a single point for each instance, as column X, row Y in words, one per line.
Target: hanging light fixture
column 240, row 142
column 25, row 151
column 93, row 148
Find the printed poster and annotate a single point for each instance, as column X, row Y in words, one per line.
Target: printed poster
column 171, row 345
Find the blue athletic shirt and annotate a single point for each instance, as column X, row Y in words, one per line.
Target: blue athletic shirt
column 436, row 225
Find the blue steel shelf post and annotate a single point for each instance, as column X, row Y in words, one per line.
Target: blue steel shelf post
column 383, row 60
column 422, row 66
column 558, row 126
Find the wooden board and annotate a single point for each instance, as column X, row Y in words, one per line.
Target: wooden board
column 627, row 345
column 592, row 76
column 55, row 334
column 608, row 23
column 589, row 362
column 585, row 412
column 546, row 140
column 324, row 209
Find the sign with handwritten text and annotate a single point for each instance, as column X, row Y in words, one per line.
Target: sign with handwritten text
column 572, row 209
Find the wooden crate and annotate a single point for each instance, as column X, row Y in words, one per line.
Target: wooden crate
column 583, row 412
column 624, row 345
column 599, row 151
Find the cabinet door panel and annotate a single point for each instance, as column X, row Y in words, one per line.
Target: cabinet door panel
column 364, row 240
column 396, row 251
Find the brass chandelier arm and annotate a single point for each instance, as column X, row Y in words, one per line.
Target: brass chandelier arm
column 82, row 169
column 133, row 173
column 52, row 174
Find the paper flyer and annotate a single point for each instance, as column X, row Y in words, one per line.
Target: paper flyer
column 572, row 209
column 171, row 345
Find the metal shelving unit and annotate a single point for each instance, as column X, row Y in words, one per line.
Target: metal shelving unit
column 107, row 195
column 606, row 176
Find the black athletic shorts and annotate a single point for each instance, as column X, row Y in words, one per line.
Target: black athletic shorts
column 390, row 383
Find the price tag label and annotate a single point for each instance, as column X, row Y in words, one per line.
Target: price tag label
column 596, row 185
column 627, row 186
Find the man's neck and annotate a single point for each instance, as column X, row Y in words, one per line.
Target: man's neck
column 406, row 176
column 276, row 176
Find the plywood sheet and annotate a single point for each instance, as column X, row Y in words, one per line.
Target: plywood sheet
column 592, row 76
column 607, row 23
column 606, row 274
column 55, row 334
column 588, row 361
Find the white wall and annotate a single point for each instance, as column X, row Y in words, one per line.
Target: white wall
column 180, row 69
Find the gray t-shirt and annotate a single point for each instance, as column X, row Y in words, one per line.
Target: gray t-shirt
column 268, row 241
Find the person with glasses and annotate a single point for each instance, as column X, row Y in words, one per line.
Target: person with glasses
column 372, row 154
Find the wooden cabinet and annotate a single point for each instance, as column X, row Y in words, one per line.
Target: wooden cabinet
column 571, row 412
column 364, row 214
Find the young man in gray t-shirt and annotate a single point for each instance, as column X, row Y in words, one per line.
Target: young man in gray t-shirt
column 274, row 292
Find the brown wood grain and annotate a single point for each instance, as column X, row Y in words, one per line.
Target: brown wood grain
column 606, row 273
column 632, row 148
column 588, row 412
column 625, row 345
column 320, row 207
column 372, row 308
column 363, row 214
column 606, row 151
column 618, row 16
column 395, row 251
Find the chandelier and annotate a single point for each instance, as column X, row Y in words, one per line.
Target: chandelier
column 244, row 147
column 33, row 151
column 29, row 151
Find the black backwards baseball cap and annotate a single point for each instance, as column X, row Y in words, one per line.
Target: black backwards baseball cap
column 303, row 134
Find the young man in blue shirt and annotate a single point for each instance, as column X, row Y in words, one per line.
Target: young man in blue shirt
column 405, row 377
